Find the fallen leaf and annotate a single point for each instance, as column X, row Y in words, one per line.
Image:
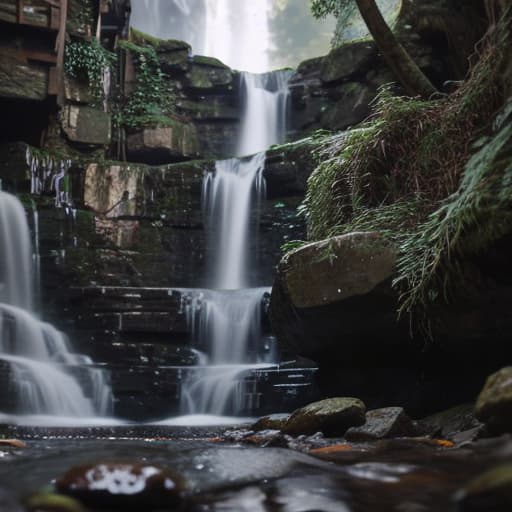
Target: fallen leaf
column 335, row 448
column 15, row 443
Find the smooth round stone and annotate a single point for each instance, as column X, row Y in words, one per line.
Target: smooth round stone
column 332, row 416
column 122, row 485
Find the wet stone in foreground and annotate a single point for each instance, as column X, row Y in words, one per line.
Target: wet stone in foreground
column 122, row 485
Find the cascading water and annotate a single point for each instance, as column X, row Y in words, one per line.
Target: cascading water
column 264, row 121
column 237, row 32
column 41, row 365
column 228, row 195
column 226, row 321
column 15, row 267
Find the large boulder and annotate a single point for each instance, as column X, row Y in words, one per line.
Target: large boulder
column 494, row 404
column 164, row 144
column 173, row 55
column 332, row 300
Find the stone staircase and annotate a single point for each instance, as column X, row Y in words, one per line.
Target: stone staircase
column 141, row 336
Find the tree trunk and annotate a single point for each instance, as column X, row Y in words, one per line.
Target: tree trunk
column 405, row 69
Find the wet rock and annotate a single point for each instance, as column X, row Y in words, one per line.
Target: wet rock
column 332, row 416
column 49, row 502
column 450, row 422
column 468, row 436
column 273, row 438
column 383, row 423
column 272, row 422
column 494, row 404
column 490, row 492
column 306, row 444
column 237, row 435
column 122, row 485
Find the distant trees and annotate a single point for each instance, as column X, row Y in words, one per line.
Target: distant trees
column 403, row 66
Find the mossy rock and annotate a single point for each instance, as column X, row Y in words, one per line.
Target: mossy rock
column 209, row 61
column 348, row 61
column 335, row 269
column 494, row 404
column 272, row 422
column 332, row 416
column 208, row 73
column 491, row 491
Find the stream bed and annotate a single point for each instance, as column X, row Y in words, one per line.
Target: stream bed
column 403, row 475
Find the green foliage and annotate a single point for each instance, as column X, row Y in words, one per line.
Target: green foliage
column 477, row 214
column 342, row 10
column 322, row 8
column 152, row 99
column 291, row 245
column 415, row 173
column 88, row 60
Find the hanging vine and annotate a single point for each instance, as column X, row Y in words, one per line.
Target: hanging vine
column 88, row 60
column 152, row 98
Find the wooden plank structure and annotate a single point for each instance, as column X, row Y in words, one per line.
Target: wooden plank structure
column 50, row 16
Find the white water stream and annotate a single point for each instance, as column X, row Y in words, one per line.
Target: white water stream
column 226, row 322
column 43, row 372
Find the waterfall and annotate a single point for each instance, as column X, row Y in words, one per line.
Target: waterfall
column 42, row 368
column 266, row 97
column 15, row 254
column 227, row 326
column 237, row 32
column 228, row 197
column 226, row 322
